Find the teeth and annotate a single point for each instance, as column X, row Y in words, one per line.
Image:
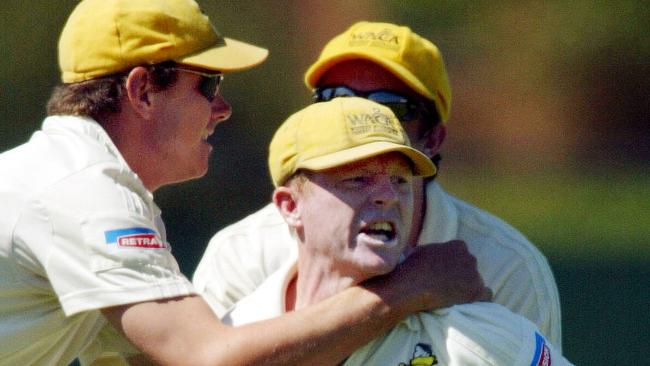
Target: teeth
column 381, row 230
column 378, row 236
column 384, row 226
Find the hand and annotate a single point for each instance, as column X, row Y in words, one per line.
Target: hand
column 437, row 276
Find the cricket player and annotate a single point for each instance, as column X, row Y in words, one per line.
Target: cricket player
column 343, row 171
column 86, row 271
column 394, row 66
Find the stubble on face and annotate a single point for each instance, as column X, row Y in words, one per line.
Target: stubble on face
column 181, row 129
column 356, row 218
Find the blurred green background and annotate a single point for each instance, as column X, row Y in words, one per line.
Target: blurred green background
column 549, row 130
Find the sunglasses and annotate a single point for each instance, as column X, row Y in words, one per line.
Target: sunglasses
column 405, row 109
column 209, row 84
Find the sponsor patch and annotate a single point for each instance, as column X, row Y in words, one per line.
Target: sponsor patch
column 134, row 237
column 542, row 352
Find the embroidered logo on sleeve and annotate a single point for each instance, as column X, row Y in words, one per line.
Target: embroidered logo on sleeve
column 134, row 237
column 542, row 352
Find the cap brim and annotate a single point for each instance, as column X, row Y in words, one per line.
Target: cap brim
column 232, row 56
column 422, row 165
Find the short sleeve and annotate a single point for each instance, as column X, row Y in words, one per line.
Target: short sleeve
column 490, row 334
column 99, row 246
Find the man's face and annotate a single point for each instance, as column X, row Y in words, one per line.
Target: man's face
column 356, row 217
column 365, row 76
column 183, row 122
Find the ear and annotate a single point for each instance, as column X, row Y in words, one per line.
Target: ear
column 434, row 139
column 138, row 90
column 285, row 200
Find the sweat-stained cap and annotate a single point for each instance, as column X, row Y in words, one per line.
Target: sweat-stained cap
column 413, row 59
column 338, row 132
column 103, row 37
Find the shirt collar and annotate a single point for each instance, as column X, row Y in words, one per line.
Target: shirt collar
column 440, row 223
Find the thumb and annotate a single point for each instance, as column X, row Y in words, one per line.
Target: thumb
column 406, row 253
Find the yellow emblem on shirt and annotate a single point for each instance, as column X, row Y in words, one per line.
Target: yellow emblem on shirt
column 422, row 356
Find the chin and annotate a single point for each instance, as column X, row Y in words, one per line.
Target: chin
column 193, row 174
column 380, row 266
column 200, row 167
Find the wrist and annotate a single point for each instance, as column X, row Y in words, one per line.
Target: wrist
column 395, row 300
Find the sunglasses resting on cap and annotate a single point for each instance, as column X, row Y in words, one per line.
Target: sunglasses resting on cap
column 405, row 108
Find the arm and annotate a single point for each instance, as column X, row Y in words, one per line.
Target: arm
column 185, row 330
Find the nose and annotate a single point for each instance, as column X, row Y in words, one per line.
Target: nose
column 221, row 110
column 385, row 192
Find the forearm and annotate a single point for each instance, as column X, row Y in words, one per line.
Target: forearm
column 321, row 334
column 186, row 331
column 327, row 332
column 324, row 333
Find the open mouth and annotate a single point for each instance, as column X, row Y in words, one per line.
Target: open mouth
column 380, row 230
column 206, row 135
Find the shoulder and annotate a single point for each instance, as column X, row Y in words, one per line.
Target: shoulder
column 69, row 175
column 255, row 234
column 70, row 160
column 247, row 250
column 515, row 269
column 70, row 169
column 485, row 232
column 491, row 332
column 266, row 301
column 266, row 219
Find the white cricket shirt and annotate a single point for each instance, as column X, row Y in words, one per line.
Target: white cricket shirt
column 485, row 334
column 78, row 232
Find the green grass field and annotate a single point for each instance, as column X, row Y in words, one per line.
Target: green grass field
column 608, row 216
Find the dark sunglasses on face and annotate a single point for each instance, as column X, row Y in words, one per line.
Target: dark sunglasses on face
column 209, row 84
column 405, row 109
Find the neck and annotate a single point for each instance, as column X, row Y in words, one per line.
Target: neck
column 133, row 143
column 315, row 281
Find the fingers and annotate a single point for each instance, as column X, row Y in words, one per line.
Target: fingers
column 485, row 295
column 444, row 274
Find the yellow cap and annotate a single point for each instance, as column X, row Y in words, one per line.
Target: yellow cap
column 341, row 131
column 413, row 59
column 103, row 37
